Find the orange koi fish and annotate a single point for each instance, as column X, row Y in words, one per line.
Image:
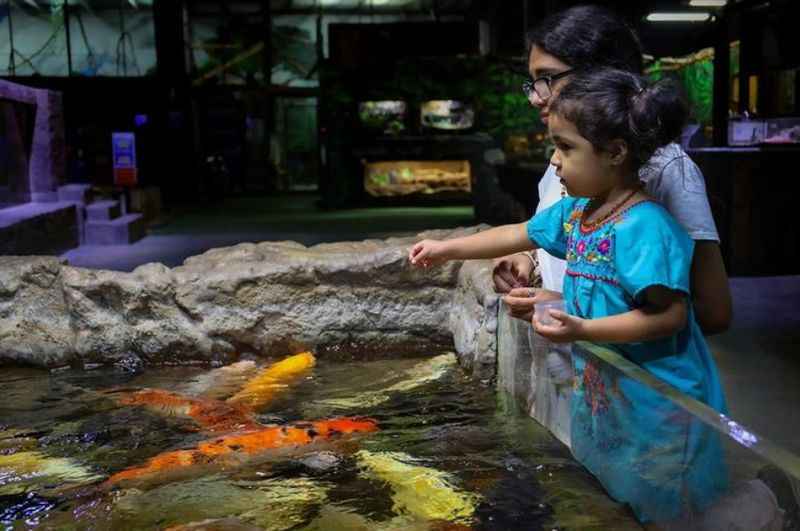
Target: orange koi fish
column 235, row 415
column 261, row 390
column 231, row 449
column 212, row 415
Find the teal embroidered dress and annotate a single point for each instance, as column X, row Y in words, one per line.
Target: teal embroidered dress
column 646, row 451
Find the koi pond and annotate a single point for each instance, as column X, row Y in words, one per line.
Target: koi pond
column 302, row 443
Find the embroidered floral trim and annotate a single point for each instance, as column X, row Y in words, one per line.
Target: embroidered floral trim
column 574, row 216
column 594, row 249
column 601, row 278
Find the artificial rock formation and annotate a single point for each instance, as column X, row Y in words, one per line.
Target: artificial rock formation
column 34, row 321
column 354, row 298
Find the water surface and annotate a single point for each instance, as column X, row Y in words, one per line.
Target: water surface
column 448, row 454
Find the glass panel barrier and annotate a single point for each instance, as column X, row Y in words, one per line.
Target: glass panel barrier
column 675, row 462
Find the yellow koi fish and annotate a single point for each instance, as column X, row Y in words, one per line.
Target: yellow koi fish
column 19, row 471
column 417, row 490
column 262, row 389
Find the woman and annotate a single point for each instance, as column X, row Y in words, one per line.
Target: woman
column 594, row 37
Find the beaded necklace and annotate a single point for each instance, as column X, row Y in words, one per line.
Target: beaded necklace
column 585, row 225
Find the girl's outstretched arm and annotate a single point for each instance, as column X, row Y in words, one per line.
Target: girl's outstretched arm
column 499, row 241
column 663, row 314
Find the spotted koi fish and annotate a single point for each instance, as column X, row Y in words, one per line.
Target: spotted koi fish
column 232, row 449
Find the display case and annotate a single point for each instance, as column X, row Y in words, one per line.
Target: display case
column 782, row 131
column 398, row 178
column 772, row 131
column 448, row 115
column 746, row 132
column 387, row 116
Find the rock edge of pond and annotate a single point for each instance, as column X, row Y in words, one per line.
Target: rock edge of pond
column 353, row 299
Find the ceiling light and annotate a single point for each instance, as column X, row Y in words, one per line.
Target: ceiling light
column 678, row 17
column 708, row 3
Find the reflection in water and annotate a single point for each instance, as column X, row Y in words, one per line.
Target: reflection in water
column 447, row 455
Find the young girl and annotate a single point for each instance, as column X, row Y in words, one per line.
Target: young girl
column 592, row 37
column 626, row 286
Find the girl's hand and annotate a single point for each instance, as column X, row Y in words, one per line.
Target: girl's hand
column 427, row 253
column 566, row 329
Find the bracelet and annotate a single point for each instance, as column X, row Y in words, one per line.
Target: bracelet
column 529, row 254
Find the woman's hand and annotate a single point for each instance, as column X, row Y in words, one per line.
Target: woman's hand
column 511, row 272
column 520, row 301
column 428, row 253
column 566, row 329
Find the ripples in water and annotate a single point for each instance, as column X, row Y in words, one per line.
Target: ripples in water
column 465, row 446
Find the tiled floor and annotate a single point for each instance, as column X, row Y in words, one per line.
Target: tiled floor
column 759, row 357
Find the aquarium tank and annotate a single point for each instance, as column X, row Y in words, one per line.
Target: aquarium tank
column 782, row 131
column 449, row 115
column 387, row 116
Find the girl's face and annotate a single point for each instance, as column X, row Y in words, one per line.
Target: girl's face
column 583, row 170
column 541, row 63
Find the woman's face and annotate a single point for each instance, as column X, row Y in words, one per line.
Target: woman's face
column 541, row 63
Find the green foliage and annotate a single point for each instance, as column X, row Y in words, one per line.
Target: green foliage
column 697, row 79
column 381, row 179
column 505, row 108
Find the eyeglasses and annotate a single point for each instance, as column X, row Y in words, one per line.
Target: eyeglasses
column 542, row 85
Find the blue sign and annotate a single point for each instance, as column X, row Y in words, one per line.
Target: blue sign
column 123, row 150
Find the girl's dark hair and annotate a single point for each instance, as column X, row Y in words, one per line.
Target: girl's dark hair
column 588, row 37
column 608, row 104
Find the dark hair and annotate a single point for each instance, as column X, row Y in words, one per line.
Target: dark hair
column 588, row 37
column 608, row 104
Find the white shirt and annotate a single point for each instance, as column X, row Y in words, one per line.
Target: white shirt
column 670, row 177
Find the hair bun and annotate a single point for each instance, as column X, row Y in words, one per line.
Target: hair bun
column 659, row 112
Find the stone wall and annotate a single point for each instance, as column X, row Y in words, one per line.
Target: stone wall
column 473, row 319
column 353, row 298
column 532, row 370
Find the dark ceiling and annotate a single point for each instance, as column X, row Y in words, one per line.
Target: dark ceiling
column 659, row 39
